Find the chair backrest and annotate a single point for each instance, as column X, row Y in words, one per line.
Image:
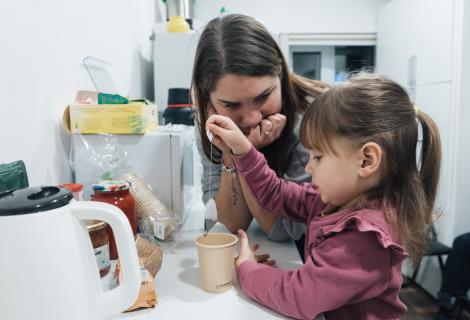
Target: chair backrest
column 435, row 247
column 433, row 233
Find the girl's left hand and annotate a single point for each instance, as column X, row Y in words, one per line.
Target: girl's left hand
column 248, row 254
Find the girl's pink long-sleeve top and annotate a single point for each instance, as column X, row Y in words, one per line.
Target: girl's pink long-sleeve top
column 353, row 257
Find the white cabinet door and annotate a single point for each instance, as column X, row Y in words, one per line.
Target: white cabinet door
column 422, row 28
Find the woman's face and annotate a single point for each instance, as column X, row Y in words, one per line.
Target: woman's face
column 247, row 100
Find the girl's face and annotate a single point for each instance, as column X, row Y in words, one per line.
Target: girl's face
column 247, row 100
column 336, row 175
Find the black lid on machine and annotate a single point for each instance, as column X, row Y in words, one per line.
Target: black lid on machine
column 34, row 199
column 178, row 97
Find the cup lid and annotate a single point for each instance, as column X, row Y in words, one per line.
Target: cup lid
column 94, row 225
column 74, row 187
column 111, row 185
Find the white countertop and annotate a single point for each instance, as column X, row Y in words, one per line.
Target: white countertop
column 179, row 295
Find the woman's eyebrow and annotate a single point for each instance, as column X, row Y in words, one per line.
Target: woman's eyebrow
column 228, row 102
column 266, row 91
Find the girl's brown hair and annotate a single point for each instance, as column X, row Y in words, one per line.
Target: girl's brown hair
column 240, row 45
column 370, row 108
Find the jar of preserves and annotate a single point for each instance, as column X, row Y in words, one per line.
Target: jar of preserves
column 100, row 241
column 116, row 192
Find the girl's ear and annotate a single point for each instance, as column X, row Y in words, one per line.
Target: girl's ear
column 371, row 157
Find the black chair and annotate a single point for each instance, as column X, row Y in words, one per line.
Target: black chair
column 435, row 249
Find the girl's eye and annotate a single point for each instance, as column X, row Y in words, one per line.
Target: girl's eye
column 317, row 158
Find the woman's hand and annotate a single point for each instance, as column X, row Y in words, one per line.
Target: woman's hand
column 267, row 131
column 248, row 254
column 226, row 135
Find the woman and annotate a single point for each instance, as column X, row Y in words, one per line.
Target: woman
column 240, row 72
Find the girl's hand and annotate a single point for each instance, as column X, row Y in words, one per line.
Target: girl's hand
column 226, row 135
column 267, row 131
column 248, row 254
column 226, row 154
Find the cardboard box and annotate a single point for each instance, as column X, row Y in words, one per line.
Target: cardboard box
column 137, row 117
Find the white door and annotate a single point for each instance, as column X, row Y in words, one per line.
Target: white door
column 415, row 48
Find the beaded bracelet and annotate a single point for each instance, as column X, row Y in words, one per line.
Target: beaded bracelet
column 229, row 168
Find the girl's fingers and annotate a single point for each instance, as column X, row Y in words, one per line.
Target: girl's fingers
column 218, row 133
column 244, row 244
column 269, row 262
column 221, row 121
column 255, row 247
column 262, row 257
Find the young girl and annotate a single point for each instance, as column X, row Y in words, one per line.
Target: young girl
column 372, row 198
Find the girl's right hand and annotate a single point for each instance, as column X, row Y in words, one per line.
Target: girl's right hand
column 248, row 253
column 226, row 154
column 226, row 135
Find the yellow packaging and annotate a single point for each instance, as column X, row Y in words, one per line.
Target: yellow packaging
column 133, row 118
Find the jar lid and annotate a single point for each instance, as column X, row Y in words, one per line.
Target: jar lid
column 94, row 225
column 74, row 187
column 111, row 185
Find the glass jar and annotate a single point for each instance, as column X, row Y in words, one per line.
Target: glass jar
column 116, row 192
column 100, row 241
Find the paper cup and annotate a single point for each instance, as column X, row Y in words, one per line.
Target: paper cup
column 216, row 252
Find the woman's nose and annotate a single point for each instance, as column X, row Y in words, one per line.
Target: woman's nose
column 251, row 118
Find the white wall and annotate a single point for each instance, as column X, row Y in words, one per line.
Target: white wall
column 300, row 16
column 462, row 195
column 42, row 43
column 425, row 30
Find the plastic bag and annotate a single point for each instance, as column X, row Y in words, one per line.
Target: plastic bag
column 100, row 157
column 103, row 159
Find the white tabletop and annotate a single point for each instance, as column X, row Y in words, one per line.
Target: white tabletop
column 180, row 296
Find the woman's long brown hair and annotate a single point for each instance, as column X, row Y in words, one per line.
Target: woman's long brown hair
column 370, row 108
column 240, row 45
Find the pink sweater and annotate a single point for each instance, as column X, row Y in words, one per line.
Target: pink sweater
column 353, row 259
